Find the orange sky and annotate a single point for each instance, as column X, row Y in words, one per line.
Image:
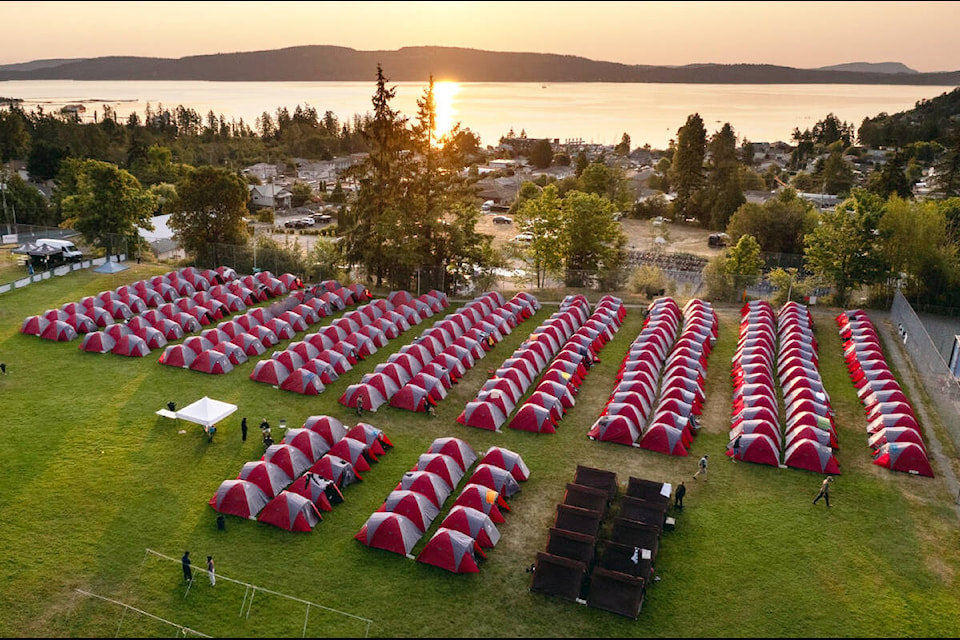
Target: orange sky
column 795, row 34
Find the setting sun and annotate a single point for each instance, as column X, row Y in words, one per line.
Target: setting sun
column 444, row 94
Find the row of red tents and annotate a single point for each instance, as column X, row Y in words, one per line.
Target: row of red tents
column 500, row 394
column 810, row 435
column 424, row 369
column 120, row 305
column 175, row 315
column 295, row 481
column 542, row 411
column 674, row 422
column 893, row 429
column 633, row 401
column 778, row 355
column 469, row 527
column 307, row 366
column 232, row 342
column 457, row 342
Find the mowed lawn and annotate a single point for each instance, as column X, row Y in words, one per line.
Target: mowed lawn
column 92, row 478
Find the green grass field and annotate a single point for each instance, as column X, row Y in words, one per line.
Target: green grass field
column 92, row 479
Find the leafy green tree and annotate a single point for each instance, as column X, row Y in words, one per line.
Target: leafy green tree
column 623, row 147
column 45, row 158
column 22, row 203
column 301, row 193
column 946, row 177
column 744, row 263
column 716, row 279
column 779, row 225
column 915, row 240
column 209, row 209
column 581, row 163
column 105, row 204
column 845, row 247
column 837, row 174
column 686, row 169
column 591, row 239
column 891, row 179
column 542, row 217
column 14, row 135
column 608, row 182
column 541, row 154
column 789, row 286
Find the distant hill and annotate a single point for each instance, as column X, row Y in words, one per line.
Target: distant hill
column 871, row 67
column 37, row 64
column 321, row 63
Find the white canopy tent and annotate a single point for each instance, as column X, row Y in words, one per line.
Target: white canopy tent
column 206, row 411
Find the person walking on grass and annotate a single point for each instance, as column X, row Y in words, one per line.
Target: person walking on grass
column 702, row 468
column 824, row 491
column 243, row 429
column 185, row 563
column 359, row 406
column 736, row 447
column 678, row 496
column 210, row 571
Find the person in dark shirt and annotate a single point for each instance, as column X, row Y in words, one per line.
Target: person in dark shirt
column 185, row 562
column 678, row 496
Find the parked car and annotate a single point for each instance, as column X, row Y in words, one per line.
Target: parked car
column 523, row 238
column 502, row 220
column 299, row 223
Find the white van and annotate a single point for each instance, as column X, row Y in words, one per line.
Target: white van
column 66, row 247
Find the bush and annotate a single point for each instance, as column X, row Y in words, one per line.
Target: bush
column 648, row 280
column 266, row 215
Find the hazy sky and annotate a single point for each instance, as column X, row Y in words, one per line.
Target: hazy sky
column 922, row 35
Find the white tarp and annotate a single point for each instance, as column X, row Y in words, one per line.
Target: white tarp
column 206, row 412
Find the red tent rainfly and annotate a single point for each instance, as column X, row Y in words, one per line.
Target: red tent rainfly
column 269, row 371
column 97, row 342
column 483, row 499
column 354, row 452
column 212, row 362
column 390, row 532
column 288, row 458
column 131, row 345
column 508, row 460
column 337, row 470
column 291, row 511
column 415, row 506
column 322, row 492
column 329, row 428
column 492, row 477
column 304, row 382
column 372, row 437
column 443, row 465
column 452, row 550
column 271, row 478
column 474, row 523
column 457, row 449
column 482, row 415
column 311, row 443
column 240, row 498
column 426, row 483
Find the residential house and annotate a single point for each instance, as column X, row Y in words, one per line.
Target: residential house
column 270, row 195
column 263, row 171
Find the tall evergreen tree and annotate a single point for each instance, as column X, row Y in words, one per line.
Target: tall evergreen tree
column 372, row 235
column 686, row 170
column 725, row 191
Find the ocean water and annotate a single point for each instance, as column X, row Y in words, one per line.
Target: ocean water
column 592, row 112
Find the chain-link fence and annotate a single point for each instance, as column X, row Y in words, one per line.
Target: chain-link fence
column 942, row 387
